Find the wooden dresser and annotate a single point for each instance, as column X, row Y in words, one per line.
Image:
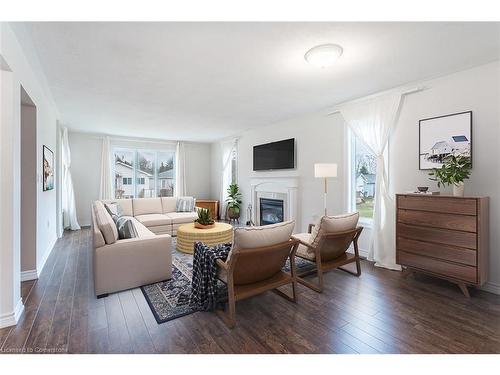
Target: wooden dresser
column 444, row 236
column 212, row 205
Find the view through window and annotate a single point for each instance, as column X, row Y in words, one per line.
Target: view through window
column 143, row 173
column 364, row 165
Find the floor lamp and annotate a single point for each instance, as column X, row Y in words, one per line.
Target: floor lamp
column 325, row 171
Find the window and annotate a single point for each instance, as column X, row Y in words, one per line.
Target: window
column 143, row 173
column 166, row 174
column 362, row 182
column 234, row 166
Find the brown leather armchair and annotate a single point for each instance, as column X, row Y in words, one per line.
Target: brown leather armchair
column 327, row 252
column 252, row 271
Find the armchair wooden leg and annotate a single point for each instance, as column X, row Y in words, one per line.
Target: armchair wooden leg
column 316, row 287
column 292, row 298
column 358, row 269
column 229, row 317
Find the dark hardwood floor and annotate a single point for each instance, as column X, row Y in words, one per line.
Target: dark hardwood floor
column 380, row 312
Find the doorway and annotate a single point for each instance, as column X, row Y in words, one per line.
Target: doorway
column 28, row 187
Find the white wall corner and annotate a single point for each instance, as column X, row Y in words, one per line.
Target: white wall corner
column 11, row 319
column 491, row 287
column 29, row 275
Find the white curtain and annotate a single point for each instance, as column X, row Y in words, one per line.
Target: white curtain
column 180, row 170
column 372, row 121
column 68, row 195
column 228, row 148
column 106, row 185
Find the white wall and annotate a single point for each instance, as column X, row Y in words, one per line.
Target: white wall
column 477, row 90
column 26, row 73
column 323, row 139
column 319, row 139
column 86, row 163
column 28, row 187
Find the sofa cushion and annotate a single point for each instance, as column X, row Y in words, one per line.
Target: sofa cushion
column 126, row 228
column 142, row 231
column 332, row 224
column 252, row 237
column 125, row 205
column 185, row 204
column 144, row 206
column 105, row 223
column 169, row 204
column 161, row 229
column 153, row 220
column 303, row 250
column 182, row 217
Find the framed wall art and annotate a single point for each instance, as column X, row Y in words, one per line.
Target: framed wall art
column 48, row 169
column 442, row 136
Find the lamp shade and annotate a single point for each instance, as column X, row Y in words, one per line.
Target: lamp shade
column 322, row 170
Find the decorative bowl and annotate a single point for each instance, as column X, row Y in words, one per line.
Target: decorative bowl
column 202, row 226
column 423, row 189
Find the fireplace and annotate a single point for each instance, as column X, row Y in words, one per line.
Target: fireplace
column 271, row 211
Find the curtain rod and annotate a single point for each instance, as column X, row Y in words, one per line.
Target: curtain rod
column 407, row 92
column 129, row 139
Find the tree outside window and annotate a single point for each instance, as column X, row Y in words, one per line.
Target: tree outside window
column 363, row 169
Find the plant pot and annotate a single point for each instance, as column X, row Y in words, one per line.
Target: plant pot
column 458, row 190
column 203, row 226
column 232, row 214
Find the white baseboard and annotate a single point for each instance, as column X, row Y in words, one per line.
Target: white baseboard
column 29, row 275
column 11, row 319
column 491, row 287
column 362, row 252
column 46, row 256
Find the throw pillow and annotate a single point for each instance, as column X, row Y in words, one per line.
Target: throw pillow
column 126, row 228
column 114, row 210
column 185, row 204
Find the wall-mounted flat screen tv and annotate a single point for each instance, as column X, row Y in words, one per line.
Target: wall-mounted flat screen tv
column 275, row 155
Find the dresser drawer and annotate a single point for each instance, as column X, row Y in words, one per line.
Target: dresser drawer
column 444, row 252
column 441, row 236
column 450, row 205
column 438, row 267
column 438, row 220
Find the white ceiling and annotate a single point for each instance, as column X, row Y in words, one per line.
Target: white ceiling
column 205, row 81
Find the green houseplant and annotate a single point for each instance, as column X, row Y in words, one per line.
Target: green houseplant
column 204, row 220
column 233, row 200
column 454, row 171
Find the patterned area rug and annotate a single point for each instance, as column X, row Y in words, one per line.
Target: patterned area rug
column 170, row 299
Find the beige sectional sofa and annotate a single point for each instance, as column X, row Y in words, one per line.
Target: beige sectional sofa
column 145, row 259
column 157, row 214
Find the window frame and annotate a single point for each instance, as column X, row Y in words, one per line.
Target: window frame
column 135, row 170
column 351, row 181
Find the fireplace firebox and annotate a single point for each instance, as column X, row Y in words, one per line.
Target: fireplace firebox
column 271, row 211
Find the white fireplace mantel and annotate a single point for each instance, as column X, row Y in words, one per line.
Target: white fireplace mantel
column 285, row 188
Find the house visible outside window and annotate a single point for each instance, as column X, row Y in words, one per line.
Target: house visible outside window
column 143, row 173
column 363, row 166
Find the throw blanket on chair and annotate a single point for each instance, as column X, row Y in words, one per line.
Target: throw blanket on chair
column 204, row 282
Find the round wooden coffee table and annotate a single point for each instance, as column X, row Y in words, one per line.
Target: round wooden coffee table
column 187, row 235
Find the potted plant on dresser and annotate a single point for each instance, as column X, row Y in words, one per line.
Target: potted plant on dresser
column 233, row 210
column 454, row 171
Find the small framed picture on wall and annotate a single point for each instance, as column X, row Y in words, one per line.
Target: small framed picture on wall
column 48, row 169
column 442, row 136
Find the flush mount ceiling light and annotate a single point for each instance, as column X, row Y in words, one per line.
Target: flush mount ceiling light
column 323, row 55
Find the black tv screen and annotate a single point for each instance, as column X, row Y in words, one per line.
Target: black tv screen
column 275, row 155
